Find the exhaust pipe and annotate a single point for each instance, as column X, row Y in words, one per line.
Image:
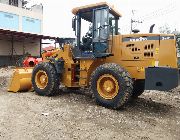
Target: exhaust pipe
column 151, row 28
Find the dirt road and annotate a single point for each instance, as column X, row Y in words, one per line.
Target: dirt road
column 76, row 116
column 27, row 116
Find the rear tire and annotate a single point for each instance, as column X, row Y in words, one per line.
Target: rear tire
column 111, row 85
column 45, row 79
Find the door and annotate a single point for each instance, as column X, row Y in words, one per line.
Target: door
column 100, row 30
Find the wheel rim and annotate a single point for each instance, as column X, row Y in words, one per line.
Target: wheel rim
column 41, row 79
column 107, row 86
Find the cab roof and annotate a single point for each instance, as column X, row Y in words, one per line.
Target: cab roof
column 89, row 8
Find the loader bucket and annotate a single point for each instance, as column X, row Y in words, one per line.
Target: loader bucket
column 21, row 80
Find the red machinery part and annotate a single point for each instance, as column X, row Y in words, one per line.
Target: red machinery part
column 31, row 61
column 48, row 53
column 38, row 60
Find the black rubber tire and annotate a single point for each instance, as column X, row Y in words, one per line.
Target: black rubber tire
column 138, row 88
column 124, row 80
column 52, row 87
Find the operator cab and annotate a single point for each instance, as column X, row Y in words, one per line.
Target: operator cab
column 103, row 21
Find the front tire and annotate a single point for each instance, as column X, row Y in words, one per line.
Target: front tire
column 45, row 79
column 111, row 85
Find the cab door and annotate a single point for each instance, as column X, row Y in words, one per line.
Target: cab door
column 100, row 30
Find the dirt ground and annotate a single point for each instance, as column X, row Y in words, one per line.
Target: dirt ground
column 27, row 116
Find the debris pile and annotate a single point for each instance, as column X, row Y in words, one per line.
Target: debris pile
column 5, row 76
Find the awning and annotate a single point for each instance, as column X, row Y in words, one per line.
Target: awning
column 23, row 35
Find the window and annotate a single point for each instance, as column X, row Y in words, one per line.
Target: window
column 8, row 16
column 13, row 2
column 101, row 24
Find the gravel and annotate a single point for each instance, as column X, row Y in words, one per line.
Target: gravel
column 27, row 116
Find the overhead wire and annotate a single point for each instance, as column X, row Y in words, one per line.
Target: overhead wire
column 171, row 7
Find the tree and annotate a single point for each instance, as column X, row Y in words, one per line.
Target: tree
column 177, row 34
column 178, row 42
column 178, row 48
column 165, row 29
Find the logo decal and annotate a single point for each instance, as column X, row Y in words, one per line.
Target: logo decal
column 144, row 38
column 138, row 39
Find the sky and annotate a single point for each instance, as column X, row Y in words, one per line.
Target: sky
column 57, row 15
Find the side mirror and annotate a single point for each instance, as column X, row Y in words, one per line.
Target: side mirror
column 74, row 23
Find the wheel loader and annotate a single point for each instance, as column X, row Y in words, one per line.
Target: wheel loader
column 115, row 67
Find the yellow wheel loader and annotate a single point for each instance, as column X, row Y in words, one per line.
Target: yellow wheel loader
column 116, row 67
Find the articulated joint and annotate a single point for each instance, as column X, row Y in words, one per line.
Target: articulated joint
column 58, row 64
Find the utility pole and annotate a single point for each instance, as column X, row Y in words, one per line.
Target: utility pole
column 133, row 21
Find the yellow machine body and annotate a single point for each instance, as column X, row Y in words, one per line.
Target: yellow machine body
column 21, row 80
column 134, row 56
column 140, row 52
column 86, row 67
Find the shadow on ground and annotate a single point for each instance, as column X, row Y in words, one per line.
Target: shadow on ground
column 139, row 105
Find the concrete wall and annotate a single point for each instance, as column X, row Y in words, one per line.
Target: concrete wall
column 5, row 47
column 20, row 48
column 11, row 13
column 32, row 48
column 37, row 8
column 4, row 1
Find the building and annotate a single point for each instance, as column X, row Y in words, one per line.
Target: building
column 15, row 16
column 20, row 30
